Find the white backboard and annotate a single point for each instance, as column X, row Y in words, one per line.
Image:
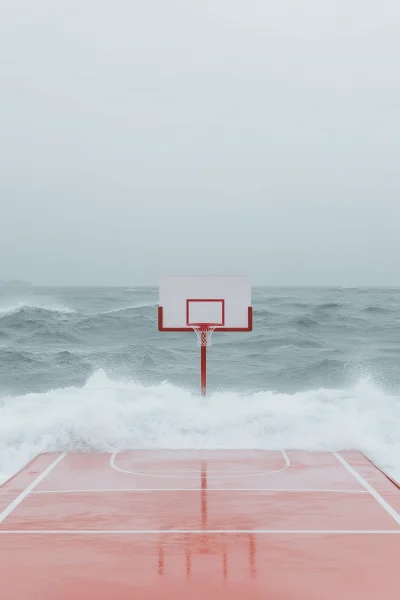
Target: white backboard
column 224, row 302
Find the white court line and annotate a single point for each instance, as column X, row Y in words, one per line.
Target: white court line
column 7, row 511
column 261, row 490
column 87, row 532
column 114, row 466
column 369, row 488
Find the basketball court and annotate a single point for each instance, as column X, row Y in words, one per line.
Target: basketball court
column 191, row 524
column 194, row 524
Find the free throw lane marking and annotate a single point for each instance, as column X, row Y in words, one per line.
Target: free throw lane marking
column 183, row 476
column 7, row 511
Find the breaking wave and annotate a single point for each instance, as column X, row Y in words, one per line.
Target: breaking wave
column 106, row 415
column 21, row 306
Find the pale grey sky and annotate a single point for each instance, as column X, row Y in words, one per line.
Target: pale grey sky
column 142, row 138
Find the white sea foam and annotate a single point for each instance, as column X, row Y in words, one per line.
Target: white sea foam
column 50, row 306
column 108, row 415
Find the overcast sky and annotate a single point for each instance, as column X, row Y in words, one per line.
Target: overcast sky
column 152, row 137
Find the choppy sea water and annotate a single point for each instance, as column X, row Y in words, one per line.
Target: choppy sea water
column 87, row 369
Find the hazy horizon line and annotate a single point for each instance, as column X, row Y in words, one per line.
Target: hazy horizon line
column 156, row 285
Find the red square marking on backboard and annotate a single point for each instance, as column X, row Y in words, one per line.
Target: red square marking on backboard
column 204, row 300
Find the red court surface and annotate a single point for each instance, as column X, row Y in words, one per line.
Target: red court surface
column 200, row 524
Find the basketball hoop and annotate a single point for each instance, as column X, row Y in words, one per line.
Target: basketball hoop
column 204, row 305
column 204, row 332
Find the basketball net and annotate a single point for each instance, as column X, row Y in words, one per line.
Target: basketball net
column 204, row 333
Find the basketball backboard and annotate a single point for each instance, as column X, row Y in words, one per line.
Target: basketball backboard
column 221, row 302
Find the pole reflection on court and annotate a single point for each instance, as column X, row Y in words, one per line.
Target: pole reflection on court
column 210, row 544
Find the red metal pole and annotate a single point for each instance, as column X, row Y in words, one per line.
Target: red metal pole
column 203, row 370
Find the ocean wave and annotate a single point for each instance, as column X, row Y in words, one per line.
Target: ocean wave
column 329, row 305
column 374, row 309
column 142, row 290
column 107, row 415
column 22, row 306
column 304, row 321
column 265, row 312
column 302, row 305
column 128, row 308
column 18, row 358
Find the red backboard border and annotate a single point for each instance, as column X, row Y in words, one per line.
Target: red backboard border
column 190, row 328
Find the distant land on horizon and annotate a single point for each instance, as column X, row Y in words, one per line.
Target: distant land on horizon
column 18, row 283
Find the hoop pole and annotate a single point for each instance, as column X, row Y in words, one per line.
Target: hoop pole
column 203, row 370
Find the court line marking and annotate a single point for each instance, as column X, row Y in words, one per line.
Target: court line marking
column 7, row 511
column 199, row 531
column 369, row 488
column 180, row 476
column 261, row 490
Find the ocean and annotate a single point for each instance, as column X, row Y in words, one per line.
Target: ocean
column 85, row 369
